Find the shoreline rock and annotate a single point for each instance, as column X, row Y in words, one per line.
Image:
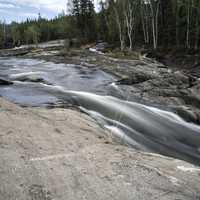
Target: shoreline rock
column 143, row 80
column 63, row 154
column 4, row 82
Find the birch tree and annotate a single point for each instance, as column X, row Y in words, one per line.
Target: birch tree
column 197, row 23
column 154, row 9
column 144, row 15
column 130, row 11
column 121, row 22
column 188, row 23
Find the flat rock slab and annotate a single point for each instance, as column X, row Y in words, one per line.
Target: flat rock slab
column 61, row 154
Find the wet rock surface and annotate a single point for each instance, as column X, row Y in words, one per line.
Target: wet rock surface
column 144, row 80
column 147, row 81
column 4, row 82
column 100, row 95
column 62, row 154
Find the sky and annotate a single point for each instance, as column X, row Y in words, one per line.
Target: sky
column 20, row 10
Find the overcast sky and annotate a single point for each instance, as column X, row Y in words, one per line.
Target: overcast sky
column 18, row 10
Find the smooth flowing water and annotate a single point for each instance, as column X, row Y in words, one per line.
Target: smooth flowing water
column 40, row 83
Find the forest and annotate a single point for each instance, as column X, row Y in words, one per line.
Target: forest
column 125, row 24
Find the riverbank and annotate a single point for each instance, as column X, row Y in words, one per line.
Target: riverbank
column 62, row 154
column 143, row 79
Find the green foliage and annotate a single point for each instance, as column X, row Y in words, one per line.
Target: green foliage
column 84, row 19
column 32, row 35
column 38, row 30
column 122, row 23
column 15, row 34
column 1, row 38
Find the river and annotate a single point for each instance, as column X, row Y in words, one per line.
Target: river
column 40, row 83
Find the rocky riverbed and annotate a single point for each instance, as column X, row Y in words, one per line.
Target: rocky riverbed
column 48, row 154
column 143, row 80
column 64, row 154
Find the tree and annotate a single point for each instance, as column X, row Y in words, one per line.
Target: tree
column 130, row 11
column 197, row 23
column 16, row 35
column 102, row 23
column 121, row 22
column 32, row 35
column 168, row 24
column 144, row 14
column 154, row 10
column 83, row 11
column 1, row 37
column 188, row 5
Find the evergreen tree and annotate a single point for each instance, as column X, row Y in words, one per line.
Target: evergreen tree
column 83, row 10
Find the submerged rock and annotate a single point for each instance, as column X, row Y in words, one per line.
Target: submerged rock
column 30, row 77
column 33, row 79
column 4, row 82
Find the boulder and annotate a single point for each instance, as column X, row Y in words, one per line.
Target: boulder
column 4, row 82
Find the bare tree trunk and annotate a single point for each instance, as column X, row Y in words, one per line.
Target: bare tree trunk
column 143, row 20
column 156, row 22
column 154, row 7
column 154, row 34
column 197, row 34
column 121, row 30
column 130, row 22
column 4, row 32
column 144, row 30
column 176, row 14
column 188, row 27
column 130, row 41
column 177, row 32
column 147, row 24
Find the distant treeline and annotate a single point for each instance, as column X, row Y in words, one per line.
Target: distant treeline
column 33, row 31
column 123, row 23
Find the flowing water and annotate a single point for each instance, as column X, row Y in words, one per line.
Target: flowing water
column 41, row 83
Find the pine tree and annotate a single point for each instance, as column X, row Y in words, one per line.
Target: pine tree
column 83, row 10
